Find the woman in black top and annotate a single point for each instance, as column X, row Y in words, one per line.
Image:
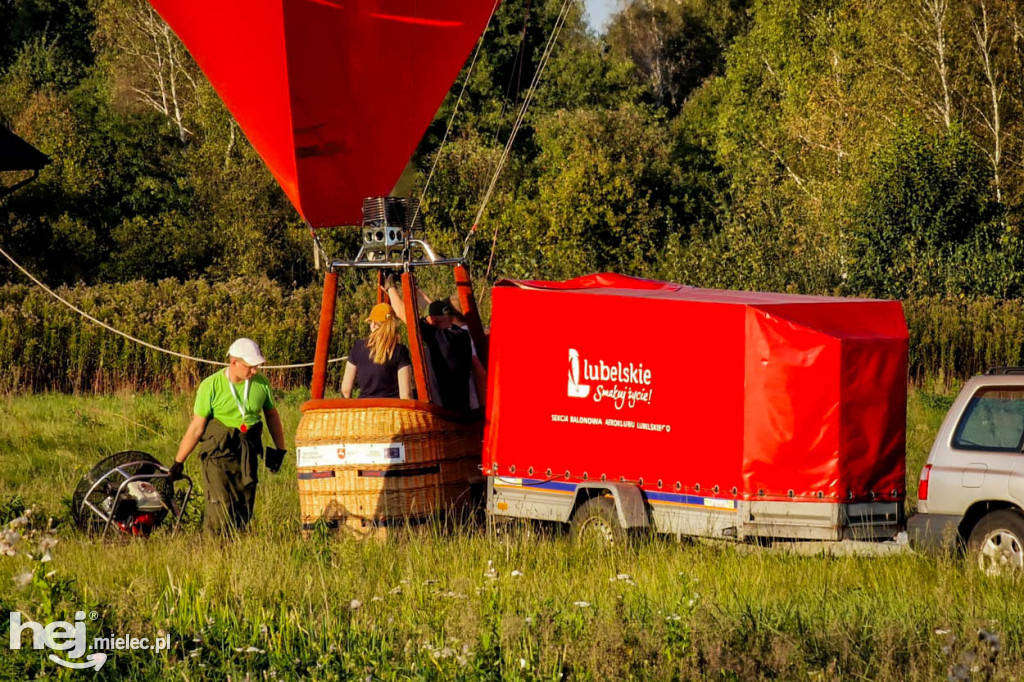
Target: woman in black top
column 380, row 364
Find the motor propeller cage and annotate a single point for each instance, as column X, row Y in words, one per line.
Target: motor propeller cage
column 130, row 491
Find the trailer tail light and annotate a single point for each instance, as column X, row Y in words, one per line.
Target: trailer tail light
column 922, row 486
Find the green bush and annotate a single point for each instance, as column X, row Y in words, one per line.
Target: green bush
column 957, row 338
column 46, row 346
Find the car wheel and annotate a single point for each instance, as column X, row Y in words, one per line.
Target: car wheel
column 997, row 542
column 597, row 520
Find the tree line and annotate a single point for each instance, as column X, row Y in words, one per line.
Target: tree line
column 855, row 147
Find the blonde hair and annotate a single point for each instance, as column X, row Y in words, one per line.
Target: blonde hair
column 383, row 340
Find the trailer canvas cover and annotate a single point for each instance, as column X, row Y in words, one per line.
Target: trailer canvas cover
column 737, row 395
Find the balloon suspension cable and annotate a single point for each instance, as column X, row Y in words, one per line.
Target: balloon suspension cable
column 318, row 249
column 133, row 339
column 468, row 243
column 455, row 111
column 541, row 65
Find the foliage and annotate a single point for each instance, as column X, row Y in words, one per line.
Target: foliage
column 926, row 215
column 46, row 346
column 49, row 347
column 815, row 146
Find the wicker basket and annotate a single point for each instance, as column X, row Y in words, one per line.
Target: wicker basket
column 442, row 452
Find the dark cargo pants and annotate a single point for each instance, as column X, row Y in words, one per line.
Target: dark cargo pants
column 229, row 461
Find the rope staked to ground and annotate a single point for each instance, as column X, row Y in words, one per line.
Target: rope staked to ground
column 133, row 339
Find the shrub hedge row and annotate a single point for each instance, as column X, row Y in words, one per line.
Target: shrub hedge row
column 46, row 346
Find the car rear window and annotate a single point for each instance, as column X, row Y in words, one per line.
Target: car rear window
column 993, row 421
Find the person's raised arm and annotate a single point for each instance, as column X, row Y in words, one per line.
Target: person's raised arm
column 348, row 380
column 394, row 292
column 424, row 301
column 395, row 299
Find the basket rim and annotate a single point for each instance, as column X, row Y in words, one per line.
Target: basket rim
column 331, row 404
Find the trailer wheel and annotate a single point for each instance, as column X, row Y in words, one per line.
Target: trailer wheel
column 998, row 542
column 597, row 520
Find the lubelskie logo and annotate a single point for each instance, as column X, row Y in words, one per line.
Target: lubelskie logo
column 576, row 389
column 59, row 635
column 636, row 380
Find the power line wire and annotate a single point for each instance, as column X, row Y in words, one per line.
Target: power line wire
column 134, row 339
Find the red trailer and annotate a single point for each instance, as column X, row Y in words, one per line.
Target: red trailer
column 617, row 403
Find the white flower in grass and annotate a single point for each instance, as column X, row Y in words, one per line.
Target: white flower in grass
column 194, row 654
column 47, row 543
column 491, row 573
column 673, row 617
column 20, row 522
column 522, row 663
column 11, row 537
column 23, row 579
column 529, row 620
column 581, row 604
column 516, row 573
column 7, row 550
column 942, row 631
column 355, row 605
column 376, row 598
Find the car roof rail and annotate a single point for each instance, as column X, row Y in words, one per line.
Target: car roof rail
column 1005, row 370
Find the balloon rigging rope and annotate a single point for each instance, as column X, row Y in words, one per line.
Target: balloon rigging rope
column 545, row 57
column 455, row 111
column 132, row 338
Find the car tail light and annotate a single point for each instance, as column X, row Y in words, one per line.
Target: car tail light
column 922, row 486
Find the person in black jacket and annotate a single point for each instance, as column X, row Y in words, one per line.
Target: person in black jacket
column 449, row 350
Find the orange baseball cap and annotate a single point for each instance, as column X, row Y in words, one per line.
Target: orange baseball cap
column 380, row 313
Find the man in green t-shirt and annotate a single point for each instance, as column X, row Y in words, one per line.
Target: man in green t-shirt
column 226, row 425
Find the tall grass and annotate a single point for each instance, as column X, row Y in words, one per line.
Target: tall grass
column 424, row 604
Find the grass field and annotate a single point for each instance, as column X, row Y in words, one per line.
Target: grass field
column 424, row 605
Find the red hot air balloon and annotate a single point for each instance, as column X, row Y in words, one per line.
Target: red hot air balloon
column 333, row 94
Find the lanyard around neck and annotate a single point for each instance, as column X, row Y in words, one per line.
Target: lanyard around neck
column 241, row 404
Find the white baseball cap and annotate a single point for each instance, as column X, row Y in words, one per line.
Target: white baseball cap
column 246, row 350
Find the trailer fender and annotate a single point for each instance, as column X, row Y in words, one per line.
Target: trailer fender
column 629, row 501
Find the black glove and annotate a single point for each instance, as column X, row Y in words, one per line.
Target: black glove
column 390, row 281
column 176, row 471
column 273, row 458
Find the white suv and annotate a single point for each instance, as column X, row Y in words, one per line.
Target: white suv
column 971, row 492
